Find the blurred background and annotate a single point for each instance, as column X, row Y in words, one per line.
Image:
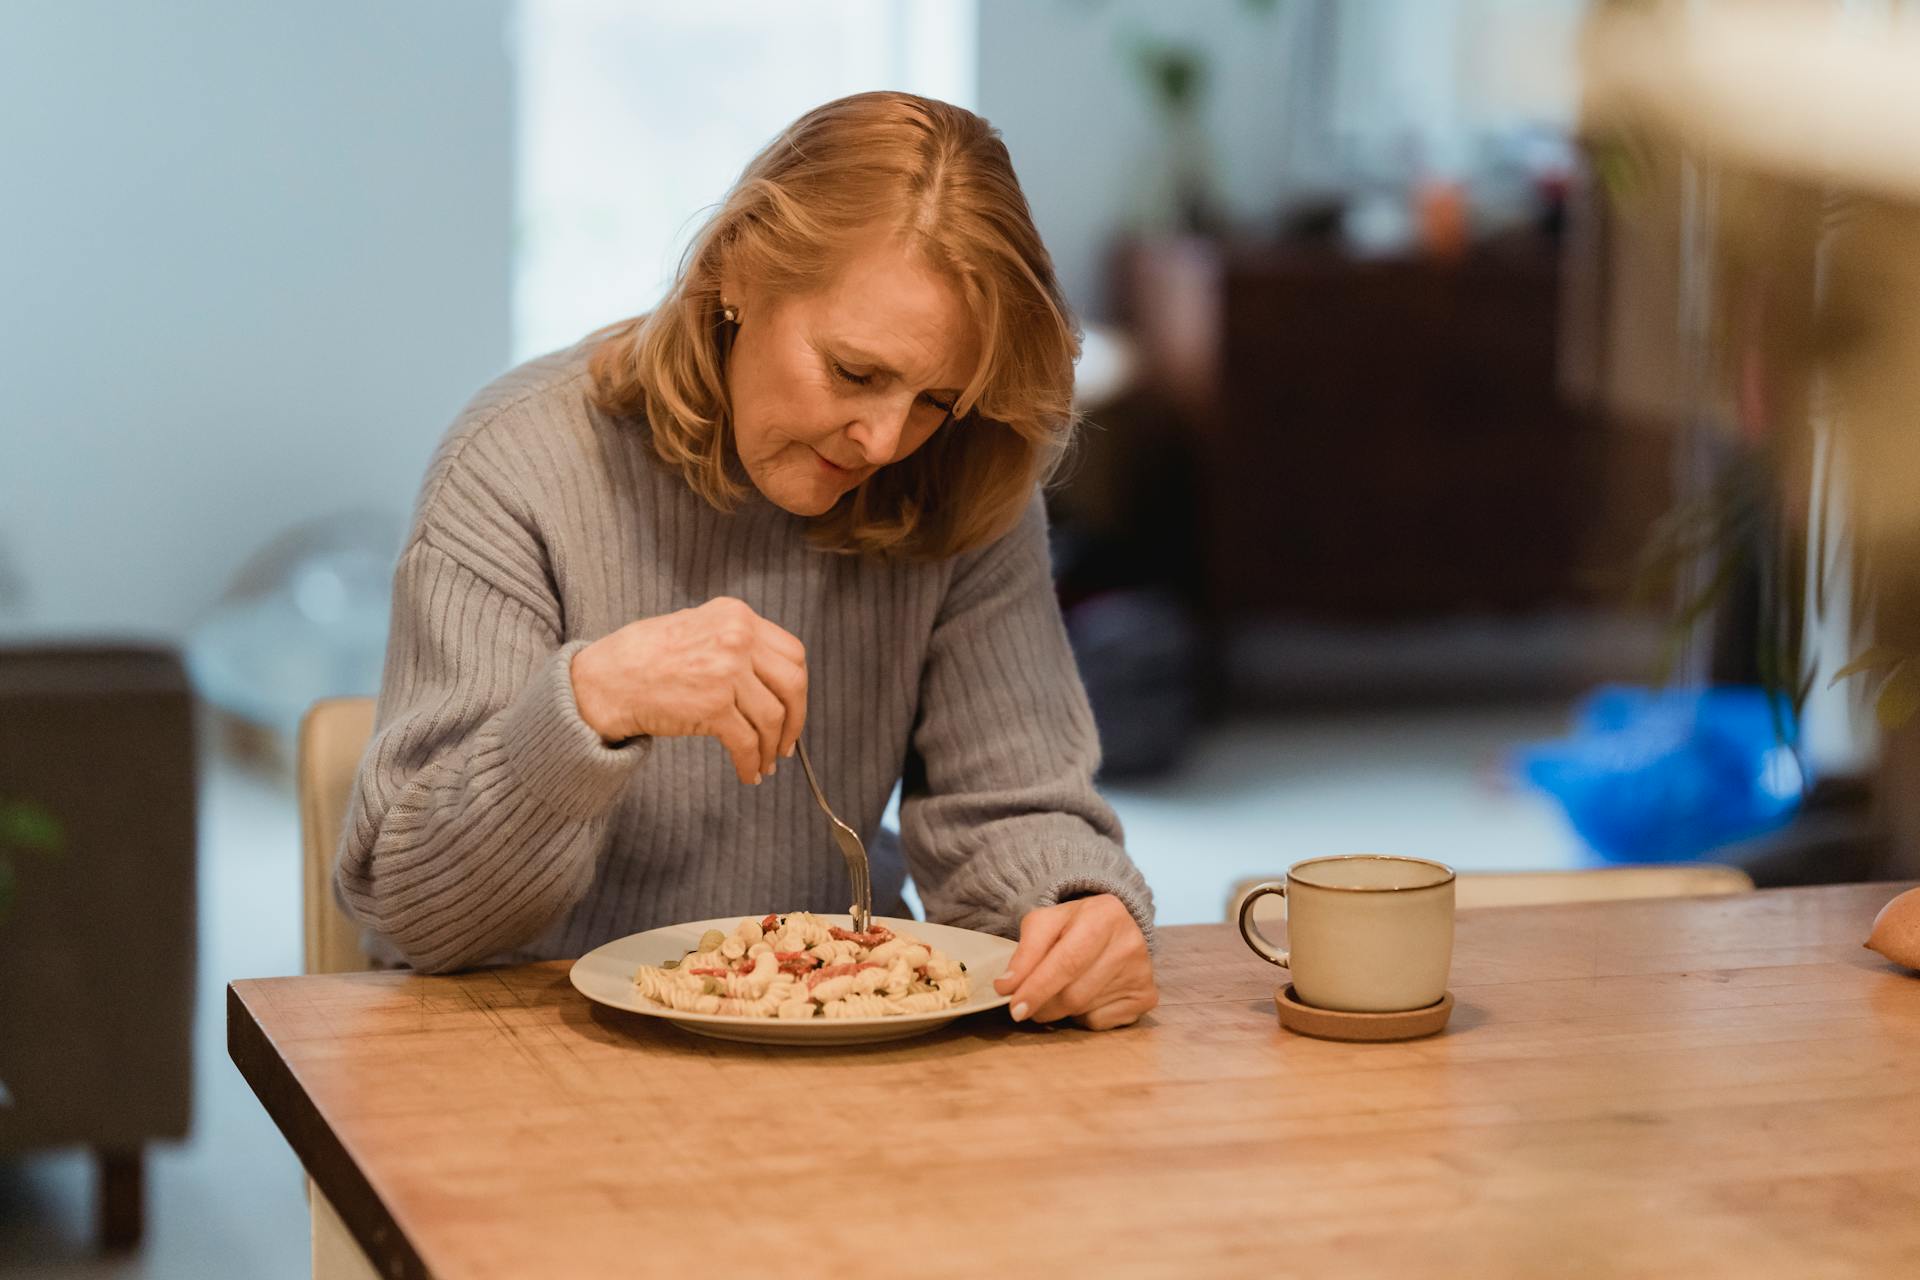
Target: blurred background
column 1414, row 514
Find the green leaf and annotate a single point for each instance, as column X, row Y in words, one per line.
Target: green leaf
column 1899, row 697
column 1716, row 589
column 1804, row 690
column 1726, row 518
column 1621, row 170
column 28, row 826
column 1877, row 658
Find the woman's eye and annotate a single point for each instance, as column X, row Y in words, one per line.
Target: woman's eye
column 846, row 375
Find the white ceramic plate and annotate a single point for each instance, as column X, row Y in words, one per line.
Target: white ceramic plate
column 605, row 974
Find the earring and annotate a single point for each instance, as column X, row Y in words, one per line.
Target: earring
column 729, row 313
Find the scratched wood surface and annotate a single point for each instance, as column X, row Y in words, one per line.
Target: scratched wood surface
column 1711, row 1087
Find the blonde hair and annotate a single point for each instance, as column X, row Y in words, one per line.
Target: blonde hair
column 941, row 179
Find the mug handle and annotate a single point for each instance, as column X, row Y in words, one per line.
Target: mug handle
column 1251, row 932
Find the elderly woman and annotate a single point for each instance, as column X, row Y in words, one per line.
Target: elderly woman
column 799, row 496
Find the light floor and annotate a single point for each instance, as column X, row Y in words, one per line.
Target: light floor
column 1252, row 798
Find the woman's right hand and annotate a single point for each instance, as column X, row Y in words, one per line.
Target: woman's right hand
column 719, row 671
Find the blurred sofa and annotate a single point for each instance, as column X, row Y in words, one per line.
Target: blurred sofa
column 97, row 940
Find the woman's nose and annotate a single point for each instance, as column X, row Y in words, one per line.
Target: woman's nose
column 878, row 432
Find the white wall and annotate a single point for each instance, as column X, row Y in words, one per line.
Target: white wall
column 1056, row 77
column 253, row 256
column 1301, row 91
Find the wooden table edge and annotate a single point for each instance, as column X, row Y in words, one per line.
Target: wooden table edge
column 318, row 1148
column 367, row 1217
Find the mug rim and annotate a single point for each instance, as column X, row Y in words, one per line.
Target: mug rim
column 1371, row 888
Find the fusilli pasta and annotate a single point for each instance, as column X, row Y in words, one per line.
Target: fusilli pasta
column 798, row 966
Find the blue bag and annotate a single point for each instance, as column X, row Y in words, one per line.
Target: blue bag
column 1667, row 775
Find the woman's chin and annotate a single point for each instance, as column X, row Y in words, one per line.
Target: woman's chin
column 801, row 498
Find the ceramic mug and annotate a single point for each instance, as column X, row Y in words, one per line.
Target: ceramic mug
column 1367, row 932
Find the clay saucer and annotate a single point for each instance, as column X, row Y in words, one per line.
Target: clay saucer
column 1335, row 1024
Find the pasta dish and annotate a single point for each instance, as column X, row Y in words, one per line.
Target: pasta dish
column 798, row 966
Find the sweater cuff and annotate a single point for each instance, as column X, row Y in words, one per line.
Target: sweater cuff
column 554, row 754
column 1087, row 881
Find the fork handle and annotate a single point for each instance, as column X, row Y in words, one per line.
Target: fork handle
column 813, row 783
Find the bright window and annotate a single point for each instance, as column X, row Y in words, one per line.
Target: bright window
column 634, row 119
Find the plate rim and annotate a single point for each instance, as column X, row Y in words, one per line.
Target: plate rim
column 949, row 1014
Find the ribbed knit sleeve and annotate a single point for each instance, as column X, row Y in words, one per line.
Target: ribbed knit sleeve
column 998, row 813
column 484, row 800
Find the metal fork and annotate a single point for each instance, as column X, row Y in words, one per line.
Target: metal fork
column 850, row 848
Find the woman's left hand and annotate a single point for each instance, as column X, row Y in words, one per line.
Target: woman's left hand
column 1085, row 959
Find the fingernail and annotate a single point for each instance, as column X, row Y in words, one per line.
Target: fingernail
column 772, row 769
column 756, row 778
column 1020, row 1012
column 788, row 753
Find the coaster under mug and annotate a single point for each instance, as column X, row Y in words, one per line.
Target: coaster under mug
column 1335, row 1024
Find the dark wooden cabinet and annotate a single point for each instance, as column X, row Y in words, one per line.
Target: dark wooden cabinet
column 1380, row 440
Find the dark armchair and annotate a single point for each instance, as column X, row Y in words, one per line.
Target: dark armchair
column 97, row 943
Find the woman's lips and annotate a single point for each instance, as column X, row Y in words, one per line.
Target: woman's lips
column 830, row 466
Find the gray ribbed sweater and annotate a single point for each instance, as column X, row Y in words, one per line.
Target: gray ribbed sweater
column 489, row 822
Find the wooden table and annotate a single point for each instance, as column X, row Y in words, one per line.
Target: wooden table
column 1697, row 1087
